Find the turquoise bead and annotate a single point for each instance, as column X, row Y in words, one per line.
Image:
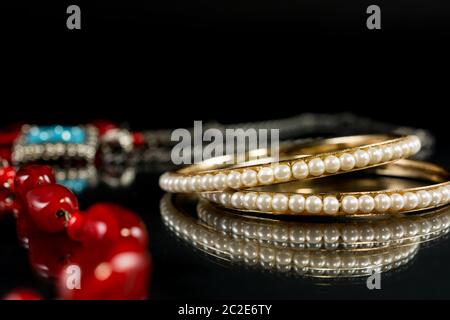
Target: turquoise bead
column 56, row 134
column 77, row 186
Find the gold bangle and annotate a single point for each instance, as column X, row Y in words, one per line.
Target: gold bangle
column 298, row 162
column 301, row 256
column 311, row 199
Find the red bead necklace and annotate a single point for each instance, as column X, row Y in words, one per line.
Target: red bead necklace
column 99, row 253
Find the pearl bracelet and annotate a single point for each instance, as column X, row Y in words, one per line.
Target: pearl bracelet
column 306, row 161
column 390, row 200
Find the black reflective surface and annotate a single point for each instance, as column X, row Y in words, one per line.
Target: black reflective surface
column 181, row 271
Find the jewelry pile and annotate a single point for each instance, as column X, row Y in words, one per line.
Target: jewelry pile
column 374, row 207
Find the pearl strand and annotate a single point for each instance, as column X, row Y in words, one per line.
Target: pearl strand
column 367, row 203
column 309, row 167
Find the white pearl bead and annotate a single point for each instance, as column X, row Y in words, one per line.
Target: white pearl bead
column 250, row 200
column 445, row 194
column 397, row 202
column 249, row 178
column 350, row 204
column 265, row 175
column 330, row 205
column 280, row 202
column 375, row 155
column 282, row 172
column 195, row 183
column 316, row 167
column 436, row 196
column 313, row 204
column 388, row 153
column 300, row 170
column 332, row 164
column 225, row 199
column 411, row 201
column 383, row 202
column 206, row 182
column 297, row 203
column 415, row 144
column 405, row 148
column 347, row 161
column 234, row 180
column 220, row 181
column 264, row 202
column 362, row 158
column 366, row 203
column 397, row 151
column 237, row 200
column 424, row 198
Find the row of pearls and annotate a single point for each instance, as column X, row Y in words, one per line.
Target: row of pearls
column 347, row 262
column 287, row 171
column 366, row 234
column 347, row 204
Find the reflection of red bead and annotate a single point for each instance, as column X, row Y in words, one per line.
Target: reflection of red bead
column 50, row 252
column 50, row 206
column 22, row 294
column 8, row 202
column 7, row 175
column 5, row 153
column 121, row 271
column 32, row 176
column 25, row 228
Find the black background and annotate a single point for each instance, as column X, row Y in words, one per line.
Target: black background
column 160, row 64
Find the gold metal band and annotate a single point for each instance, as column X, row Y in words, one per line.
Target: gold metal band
column 298, row 162
column 365, row 197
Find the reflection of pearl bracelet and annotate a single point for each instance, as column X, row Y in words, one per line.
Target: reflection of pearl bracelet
column 269, row 200
column 350, row 234
column 305, row 161
column 303, row 261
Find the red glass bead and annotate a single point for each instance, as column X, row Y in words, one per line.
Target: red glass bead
column 25, row 228
column 50, row 206
column 103, row 126
column 8, row 136
column 32, row 176
column 107, row 222
column 121, row 272
column 75, row 226
column 97, row 226
column 138, row 138
column 7, row 174
column 22, row 294
column 130, row 225
column 5, row 153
